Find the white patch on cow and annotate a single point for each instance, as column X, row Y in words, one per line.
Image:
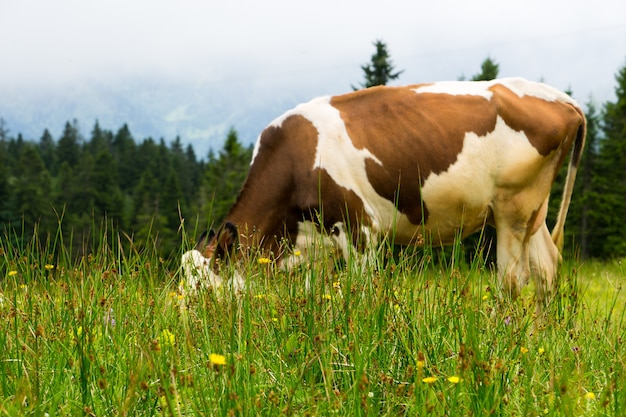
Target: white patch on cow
column 519, row 86
column 458, row 88
column 523, row 87
column 487, row 165
column 255, row 151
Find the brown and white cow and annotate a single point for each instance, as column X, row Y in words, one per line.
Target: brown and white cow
column 428, row 162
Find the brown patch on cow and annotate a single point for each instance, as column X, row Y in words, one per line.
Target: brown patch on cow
column 545, row 123
column 283, row 189
column 266, row 210
column 413, row 135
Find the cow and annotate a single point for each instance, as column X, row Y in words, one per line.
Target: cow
column 419, row 163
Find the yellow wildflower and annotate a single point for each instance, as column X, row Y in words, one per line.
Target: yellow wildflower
column 454, row 379
column 264, row 261
column 49, row 267
column 297, row 252
column 541, row 351
column 217, row 359
column 337, row 285
column 420, row 364
column 327, row 296
column 590, row 396
column 12, row 273
column 167, row 337
column 523, row 349
column 429, row 379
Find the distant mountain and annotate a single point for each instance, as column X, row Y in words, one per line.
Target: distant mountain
column 199, row 114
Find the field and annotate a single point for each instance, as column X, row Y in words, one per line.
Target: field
column 422, row 333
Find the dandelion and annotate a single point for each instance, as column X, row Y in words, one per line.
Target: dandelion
column 49, row 267
column 523, row 349
column 541, row 351
column 337, row 285
column 168, row 338
column 454, row 379
column 12, row 273
column 263, row 261
column 429, row 379
column 327, row 297
column 297, row 252
column 590, row 396
column 217, row 359
column 420, row 364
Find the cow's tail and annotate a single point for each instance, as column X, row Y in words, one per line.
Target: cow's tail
column 579, row 144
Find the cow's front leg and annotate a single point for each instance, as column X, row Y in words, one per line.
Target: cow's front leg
column 513, row 258
column 544, row 260
column 362, row 246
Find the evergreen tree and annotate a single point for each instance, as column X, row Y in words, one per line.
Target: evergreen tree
column 31, row 191
column 100, row 140
column 225, row 175
column 583, row 218
column 108, row 199
column 47, row 151
column 4, row 178
column 68, row 148
column 4, row 130
column 489, row 71
column 611, row 181
column 380, row 70
column 128, row 159
column 173, row 200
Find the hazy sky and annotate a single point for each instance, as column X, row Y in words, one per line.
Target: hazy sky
column 311, row 47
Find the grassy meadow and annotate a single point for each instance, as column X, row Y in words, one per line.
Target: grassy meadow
column 423, row 333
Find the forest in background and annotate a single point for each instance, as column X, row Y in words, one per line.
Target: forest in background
column 77, row 188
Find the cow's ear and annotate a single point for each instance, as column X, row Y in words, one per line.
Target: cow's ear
column 227, row 239
column 206, row 244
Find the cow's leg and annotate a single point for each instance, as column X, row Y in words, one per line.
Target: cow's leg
column 362, row 246
column 512, row 254
column 544, row 260
column 514, row 224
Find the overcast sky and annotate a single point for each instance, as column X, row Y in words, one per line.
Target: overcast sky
column 308, row 47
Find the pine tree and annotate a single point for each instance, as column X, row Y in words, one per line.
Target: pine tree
column 4, row 177
column 68, row 148
column 31, row 191
column 611, row 181
column 47, row 151
column 489, row 71
column 583, row 218
column 225, row 175
column 128, row 160
column 381, row 70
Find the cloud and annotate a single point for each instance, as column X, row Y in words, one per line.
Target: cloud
column 179, row 114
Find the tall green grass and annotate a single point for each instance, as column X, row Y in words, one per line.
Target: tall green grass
column 109, row 334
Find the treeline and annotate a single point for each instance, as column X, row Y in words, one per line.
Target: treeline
column 83, row 186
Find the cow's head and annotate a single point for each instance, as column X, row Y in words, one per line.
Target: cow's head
column 201, row 265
